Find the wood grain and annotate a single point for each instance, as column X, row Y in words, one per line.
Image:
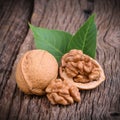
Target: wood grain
column 14, row 17
column 102, row 103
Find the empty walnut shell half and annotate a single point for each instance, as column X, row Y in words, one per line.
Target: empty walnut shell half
column 82, row 70
column 35, row 70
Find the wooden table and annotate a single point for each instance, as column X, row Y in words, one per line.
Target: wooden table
column 102, row 103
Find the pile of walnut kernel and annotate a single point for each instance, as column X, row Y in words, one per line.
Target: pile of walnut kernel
column 76, row 71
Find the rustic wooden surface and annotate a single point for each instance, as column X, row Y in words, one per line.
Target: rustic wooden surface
column 102, row 103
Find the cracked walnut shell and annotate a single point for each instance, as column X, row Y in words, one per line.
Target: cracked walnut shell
column 35, row 70
column 62, row 92
column 82, row 70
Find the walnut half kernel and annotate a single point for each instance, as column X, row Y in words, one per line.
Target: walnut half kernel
column 62, row 92
column 85, row 72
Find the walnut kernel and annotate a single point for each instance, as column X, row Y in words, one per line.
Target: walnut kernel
column 82, row 69
column 62, row 92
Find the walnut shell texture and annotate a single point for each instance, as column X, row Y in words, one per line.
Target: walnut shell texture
column 35, row 70
column 84, row 71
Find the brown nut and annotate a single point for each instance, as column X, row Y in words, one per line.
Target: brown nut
column 35, row 70
column 62, row 92
column 85, row 72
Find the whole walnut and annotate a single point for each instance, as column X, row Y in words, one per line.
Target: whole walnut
column 84, row 71
column 35, row 70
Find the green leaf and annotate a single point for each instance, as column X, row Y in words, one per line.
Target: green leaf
column 53, row 41
column 85, row 38
column 59, row 42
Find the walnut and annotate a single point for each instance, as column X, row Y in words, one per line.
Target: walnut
column 85, row 72
column 35, row 70
column 62, row 92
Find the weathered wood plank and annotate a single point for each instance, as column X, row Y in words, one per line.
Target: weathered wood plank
column 108, row 55
column 100, row 103
column 14, row 17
